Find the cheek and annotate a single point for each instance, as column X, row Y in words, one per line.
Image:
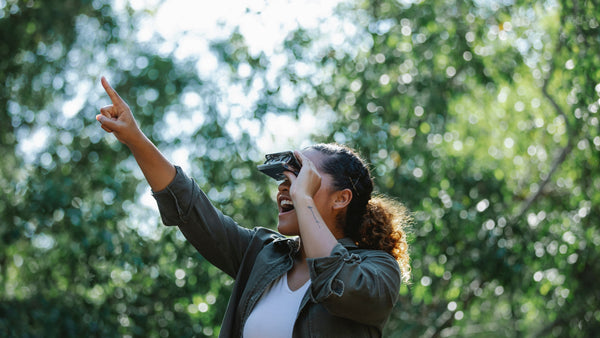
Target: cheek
column 323, row 201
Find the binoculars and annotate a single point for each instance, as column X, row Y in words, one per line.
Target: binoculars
column 276, row 163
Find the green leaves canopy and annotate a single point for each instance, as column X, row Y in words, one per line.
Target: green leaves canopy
column 480, row 116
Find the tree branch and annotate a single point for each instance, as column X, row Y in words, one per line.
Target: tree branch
column 558, row 160
column 446, row 319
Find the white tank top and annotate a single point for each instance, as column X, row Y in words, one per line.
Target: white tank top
column 275, row 313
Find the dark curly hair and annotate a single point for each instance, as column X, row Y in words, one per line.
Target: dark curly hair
column 373, row 222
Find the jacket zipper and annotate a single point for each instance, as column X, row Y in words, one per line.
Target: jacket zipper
column 256, row 295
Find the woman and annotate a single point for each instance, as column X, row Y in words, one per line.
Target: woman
column 340, row 274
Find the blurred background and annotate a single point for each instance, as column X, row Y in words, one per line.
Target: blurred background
column 481, row 116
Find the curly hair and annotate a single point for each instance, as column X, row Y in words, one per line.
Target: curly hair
column 383, row 228
column 377, row 222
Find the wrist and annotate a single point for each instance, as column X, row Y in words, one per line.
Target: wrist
column 137, row 140
column 303, row 201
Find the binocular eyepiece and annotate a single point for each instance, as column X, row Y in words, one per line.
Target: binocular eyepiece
column 276, row 163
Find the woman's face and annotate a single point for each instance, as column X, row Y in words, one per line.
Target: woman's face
column 288, row 220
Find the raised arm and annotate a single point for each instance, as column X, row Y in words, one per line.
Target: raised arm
column 316, row 235
column 118, row 119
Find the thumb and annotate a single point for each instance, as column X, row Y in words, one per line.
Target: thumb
column 107, row 122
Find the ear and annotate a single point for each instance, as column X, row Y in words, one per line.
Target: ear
column 342, row 199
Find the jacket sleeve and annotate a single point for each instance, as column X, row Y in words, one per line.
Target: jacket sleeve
column 363, row 288
column 217, row 237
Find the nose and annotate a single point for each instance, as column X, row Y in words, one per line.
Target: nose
column 284, row 186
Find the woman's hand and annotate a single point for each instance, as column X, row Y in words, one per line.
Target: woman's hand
column 317, row 237
column 308, row 181
column 117, row 118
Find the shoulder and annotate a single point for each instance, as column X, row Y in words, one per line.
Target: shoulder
column 265, row 236
column 353, row 249
column 378, row 261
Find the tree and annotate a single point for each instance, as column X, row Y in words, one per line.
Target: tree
column 480, row 116
column 470, row 112
column 79, row 254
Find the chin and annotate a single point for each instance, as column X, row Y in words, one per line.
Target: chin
column 288, row 226
column 285, row 232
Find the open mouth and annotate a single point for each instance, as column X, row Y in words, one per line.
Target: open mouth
column 286, row 205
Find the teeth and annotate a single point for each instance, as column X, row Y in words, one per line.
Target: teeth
column 286, row 202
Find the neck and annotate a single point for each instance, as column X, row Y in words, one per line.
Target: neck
column 301, row 257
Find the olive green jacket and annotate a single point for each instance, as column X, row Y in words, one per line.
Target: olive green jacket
column 352, row 291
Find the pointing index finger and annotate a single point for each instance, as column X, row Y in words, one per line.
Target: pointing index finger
column 114, row 97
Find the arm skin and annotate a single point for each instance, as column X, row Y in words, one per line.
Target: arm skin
column 118, row 119
column 317, row 238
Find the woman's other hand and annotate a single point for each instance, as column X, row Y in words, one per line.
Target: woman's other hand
column 308, row 181
column 117, row 118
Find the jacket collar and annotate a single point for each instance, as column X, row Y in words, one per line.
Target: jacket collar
column 289, row 244
column 348, row 243
column 292, row 244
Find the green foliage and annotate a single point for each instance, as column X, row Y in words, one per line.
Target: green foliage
column 79, row 254
column 470, row 112
column 480, row 116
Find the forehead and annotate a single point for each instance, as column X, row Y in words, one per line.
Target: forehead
column 315, row 156
column 318, row 158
